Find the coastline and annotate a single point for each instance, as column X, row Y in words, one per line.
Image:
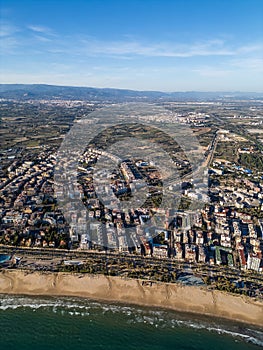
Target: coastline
column 133, row 291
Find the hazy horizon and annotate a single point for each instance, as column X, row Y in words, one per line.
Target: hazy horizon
column 116, row 88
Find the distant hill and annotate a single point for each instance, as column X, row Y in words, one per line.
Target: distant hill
column 42, row 91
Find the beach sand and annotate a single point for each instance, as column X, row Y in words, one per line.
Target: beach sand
column 132, row 291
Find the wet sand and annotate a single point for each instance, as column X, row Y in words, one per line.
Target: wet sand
column 133, row 291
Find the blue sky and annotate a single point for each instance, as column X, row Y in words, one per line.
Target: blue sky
column 169, row 45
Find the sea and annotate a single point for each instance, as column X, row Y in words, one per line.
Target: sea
column 72, row 323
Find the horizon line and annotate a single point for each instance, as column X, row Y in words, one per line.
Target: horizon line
column 138, row 90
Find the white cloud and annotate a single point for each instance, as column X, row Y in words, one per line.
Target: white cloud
column 124, row 49
column 8, row 45
column 212, row 72
column 251, row 48
column 42, row 38
column 41, row 29
column 90, row 61
column 209, row 48
column 248, row 63
column 7, row 29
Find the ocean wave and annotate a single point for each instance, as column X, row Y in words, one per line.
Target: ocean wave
column 75, row 307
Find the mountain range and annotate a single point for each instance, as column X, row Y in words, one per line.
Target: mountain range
column 47, row 92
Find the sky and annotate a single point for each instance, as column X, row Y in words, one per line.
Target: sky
column 168, row 45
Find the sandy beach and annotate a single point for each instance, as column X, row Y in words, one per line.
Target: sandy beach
column 132, row 291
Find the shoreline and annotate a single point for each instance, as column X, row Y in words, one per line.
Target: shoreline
column 195, row 300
